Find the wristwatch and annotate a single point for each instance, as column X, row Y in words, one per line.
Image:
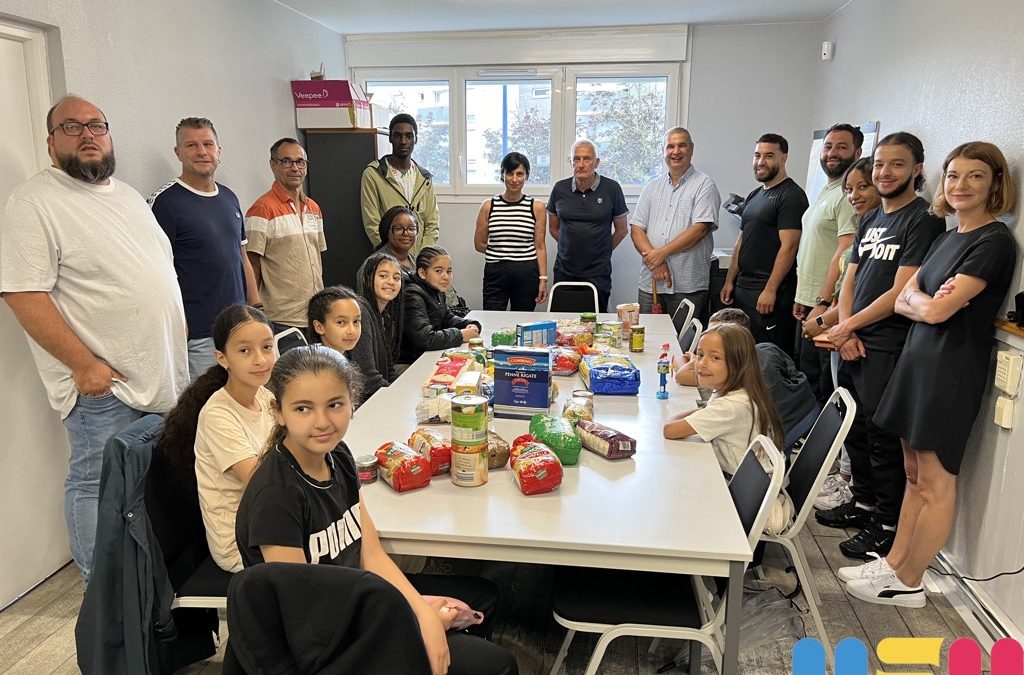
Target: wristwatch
column 820, row 320
column 823, row 302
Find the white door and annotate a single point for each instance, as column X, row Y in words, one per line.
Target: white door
column 33, row 443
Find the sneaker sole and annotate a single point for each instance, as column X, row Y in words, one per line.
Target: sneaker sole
column 915, row 600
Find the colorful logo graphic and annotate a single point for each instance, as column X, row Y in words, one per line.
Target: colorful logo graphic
column 851, row 656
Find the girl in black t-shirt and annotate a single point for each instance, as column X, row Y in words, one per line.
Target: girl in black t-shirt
column 302, row 505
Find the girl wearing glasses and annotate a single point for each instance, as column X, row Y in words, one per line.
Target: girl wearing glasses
column 398, row 230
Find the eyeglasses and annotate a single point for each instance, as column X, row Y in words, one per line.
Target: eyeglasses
column 405, row 230
column 76, row 128
column 288, row 163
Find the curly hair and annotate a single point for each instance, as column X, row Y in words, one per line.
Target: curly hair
column 178, row 440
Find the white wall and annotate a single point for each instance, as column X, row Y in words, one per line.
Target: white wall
column 148, row 64
column 948, row 72
column 731, row 103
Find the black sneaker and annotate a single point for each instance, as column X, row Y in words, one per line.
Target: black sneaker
column 872, row 539
column 844, row 515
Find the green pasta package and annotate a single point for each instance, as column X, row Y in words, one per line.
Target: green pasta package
column 559, row 434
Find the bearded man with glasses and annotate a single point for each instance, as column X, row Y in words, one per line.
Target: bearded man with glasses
column 284, row 229
column 89, row 274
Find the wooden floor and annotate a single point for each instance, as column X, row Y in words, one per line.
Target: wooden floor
column 37, row 632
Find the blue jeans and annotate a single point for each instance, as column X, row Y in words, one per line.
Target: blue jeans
column 92, row 421
column 200, row 357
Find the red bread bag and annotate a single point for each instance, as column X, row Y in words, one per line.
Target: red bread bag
column 402, row 467
column 535, row 468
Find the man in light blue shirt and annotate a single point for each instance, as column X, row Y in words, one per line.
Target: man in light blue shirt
column 671, row 229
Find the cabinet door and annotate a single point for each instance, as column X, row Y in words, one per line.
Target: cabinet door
column 336, row 163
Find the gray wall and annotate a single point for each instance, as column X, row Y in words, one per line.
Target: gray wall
column 148, row 64
column 948, row 72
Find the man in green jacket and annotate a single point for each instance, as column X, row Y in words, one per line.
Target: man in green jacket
column 396, row 180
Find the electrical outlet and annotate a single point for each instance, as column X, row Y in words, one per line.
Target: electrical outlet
column 1004, row 412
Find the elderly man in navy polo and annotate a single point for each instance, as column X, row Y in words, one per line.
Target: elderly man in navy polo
column 587, row 217
column 671, row 229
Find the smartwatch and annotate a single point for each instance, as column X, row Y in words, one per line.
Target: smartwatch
column 820, row 320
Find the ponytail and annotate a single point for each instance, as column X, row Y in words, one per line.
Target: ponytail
column 178, row 441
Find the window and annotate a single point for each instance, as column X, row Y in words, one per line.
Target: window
column 536, row 110
column 625, row 117
column 509, row 117
column 427, row 101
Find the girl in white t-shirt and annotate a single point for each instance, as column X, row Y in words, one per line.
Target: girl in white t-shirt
column 221, row 423
column 740, row 408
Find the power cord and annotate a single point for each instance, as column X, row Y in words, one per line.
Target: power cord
column 994, row 576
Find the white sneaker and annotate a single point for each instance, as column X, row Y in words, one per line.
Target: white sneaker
column 887, row 589
column 834, row 492
column 869, row 569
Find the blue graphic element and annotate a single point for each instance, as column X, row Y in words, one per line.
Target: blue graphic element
column 809, row 657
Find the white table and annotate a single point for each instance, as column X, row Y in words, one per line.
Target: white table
column 667, row 509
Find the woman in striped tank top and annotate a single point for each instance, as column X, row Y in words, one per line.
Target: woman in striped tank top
column 510, row 232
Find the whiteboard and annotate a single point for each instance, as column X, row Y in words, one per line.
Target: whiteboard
column 816, row 176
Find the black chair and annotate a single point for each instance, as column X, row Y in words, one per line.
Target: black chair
column 616, row 603
column 573, row 296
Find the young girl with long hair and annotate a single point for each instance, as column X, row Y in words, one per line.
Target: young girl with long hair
column 429, row 324
column 741, row 406
column 221, row 423
column 303, row 505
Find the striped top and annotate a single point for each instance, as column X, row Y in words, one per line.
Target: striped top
column 510, row 230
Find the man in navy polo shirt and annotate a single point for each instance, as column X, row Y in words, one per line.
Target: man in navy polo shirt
column 203, row 221
column 587, row 217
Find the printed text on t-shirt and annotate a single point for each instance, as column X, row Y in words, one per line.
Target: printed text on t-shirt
column 336, row 537
column 874, row 243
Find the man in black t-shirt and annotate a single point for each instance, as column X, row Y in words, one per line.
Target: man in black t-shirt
column 587, row 217
column 890, row 244
column 762, row 276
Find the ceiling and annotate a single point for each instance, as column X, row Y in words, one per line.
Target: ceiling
column 384, row 16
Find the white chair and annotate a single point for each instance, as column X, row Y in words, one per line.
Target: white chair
column 296, row 332
column 689, row 336
column 687, row 310
column 615, row 603
column 576, row 296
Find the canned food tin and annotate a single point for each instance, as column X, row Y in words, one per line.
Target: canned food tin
column 602, row 339
column 469, row 464
column 615, row 341
column 469, row 420
column 583, row 393
column 437, row 390
column 636, row 338
column 476, row 342
column 588, row 317
column 366, row 467
column 610, row 327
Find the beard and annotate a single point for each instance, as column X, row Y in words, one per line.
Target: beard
column 900, row 189
column 840, row 169
column 773, row 171
column 88, row 172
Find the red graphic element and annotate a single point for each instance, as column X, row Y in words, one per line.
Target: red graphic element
column 1007, row 658
column 521, row 361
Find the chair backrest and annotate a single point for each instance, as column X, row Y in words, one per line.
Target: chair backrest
column 293, row 335
column 755, row 486
column 684, row 313
column 573, row 296
column 689, row 336
column 818, row 452
column 172, row 503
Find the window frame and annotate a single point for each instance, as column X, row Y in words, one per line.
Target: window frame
column 563, row 108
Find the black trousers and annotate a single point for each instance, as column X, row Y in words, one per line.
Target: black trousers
column 876, row 456
column 511, row 282
column 471, row 653
column 779, row 327
column 816, row 364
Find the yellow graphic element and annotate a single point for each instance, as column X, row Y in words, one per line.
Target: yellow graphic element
column 909, row 651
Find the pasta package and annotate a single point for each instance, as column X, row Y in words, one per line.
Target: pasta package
column 610, row 374
column 559, row 434
column 402, row 467
column 498, row 451
column 536, row 469
column 564, row 361
column 433, row 446
column 605, row 441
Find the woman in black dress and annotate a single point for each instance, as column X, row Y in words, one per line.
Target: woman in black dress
column 953, row 300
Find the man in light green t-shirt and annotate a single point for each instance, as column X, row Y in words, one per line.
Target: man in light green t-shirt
column 828, row 228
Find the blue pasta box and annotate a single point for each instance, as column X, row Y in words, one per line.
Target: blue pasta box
column 522, row 379
column 537, row 333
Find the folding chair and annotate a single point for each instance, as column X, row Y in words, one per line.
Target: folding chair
column 615, row 603
column 690, row 334
column 573, row 296
column 687, row 311
column 292, row 338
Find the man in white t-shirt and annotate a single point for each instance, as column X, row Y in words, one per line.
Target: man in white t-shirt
column 88, row 273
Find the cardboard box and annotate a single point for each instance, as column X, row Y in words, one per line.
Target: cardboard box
column 447, row 371
column 330, row 104
column 522, row 381
column 537, row 333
